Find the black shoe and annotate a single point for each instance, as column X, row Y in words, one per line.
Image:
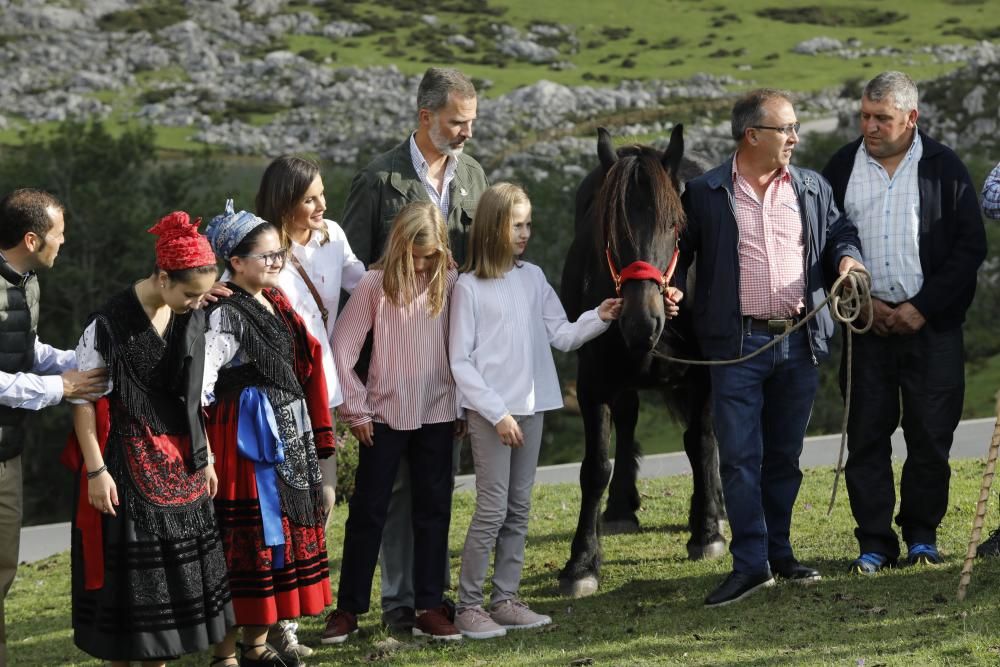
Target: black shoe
column 793, row 570
column 399, row 620
column 736, row 587
column 991, row 547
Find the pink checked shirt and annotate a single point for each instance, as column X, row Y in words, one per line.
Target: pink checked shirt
column 772, row 252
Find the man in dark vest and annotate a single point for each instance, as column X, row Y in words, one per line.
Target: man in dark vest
column 32, row 375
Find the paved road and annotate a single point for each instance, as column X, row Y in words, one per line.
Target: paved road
column 972, row 440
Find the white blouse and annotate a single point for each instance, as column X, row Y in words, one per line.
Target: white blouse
column 499, row 339
column 221, row 349
column 88, row 358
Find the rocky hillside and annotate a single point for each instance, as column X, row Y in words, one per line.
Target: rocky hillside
column 216, row 73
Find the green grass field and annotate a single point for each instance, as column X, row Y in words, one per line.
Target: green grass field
column 649, row 609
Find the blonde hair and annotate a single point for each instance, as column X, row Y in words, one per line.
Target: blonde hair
column 491, row 249
column 417, row 225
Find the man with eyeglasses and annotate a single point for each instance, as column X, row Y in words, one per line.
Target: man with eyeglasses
column 768, row 239
column 918, row 216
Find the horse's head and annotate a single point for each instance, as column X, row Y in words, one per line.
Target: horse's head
column 639, row 210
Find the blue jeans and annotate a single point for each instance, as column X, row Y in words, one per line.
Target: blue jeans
column 760, row 411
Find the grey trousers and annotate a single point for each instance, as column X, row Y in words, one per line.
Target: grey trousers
column 396, row 557
column 504, row 479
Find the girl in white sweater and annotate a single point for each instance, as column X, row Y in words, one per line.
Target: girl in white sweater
column 504, row 317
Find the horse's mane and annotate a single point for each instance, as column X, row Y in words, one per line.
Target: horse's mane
column 636, row 164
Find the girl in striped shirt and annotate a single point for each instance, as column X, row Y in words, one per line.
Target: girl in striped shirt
column 406, row 408
column 504, row 318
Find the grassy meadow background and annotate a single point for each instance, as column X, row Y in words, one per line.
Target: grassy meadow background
column 649, row 610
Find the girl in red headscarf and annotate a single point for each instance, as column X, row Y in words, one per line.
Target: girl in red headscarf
column 149, row 575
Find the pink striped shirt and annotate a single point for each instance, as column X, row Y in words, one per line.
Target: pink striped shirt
column 409, row 378
column 772, row 252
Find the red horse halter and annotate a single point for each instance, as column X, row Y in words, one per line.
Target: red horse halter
column 642, row 271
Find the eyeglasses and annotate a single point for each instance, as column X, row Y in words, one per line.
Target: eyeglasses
column 784, row 129
column 270, row 258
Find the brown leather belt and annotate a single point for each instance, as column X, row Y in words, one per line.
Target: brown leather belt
column 773, row 327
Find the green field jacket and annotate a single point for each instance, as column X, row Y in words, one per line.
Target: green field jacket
column 390, row 182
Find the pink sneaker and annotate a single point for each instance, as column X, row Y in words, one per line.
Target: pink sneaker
column 515, row 615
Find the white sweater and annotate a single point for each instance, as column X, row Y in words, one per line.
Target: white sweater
column 499, row 339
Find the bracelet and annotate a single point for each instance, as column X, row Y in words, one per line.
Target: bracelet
column 211, row 458
column 92, row 475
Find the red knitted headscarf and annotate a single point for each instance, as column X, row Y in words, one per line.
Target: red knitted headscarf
column 180, row 246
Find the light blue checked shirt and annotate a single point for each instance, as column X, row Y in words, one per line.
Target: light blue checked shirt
column 991, row 194
column 887, row 214
column 441, row 199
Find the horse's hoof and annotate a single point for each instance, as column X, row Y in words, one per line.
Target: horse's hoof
column 619, row 526
column 711, row 551
column 578, row 588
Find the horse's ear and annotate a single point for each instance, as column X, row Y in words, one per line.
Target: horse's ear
column 671, row 159
column 605, row 149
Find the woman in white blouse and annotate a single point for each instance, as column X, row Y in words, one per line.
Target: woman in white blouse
column 320, row 264
column 504, row 317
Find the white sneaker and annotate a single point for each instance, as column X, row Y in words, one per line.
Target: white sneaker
column 475, row 623
column 282, row 636
column 515, row 615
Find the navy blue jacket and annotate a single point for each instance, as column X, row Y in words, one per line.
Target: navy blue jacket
column 952, row 237
column 711, row 236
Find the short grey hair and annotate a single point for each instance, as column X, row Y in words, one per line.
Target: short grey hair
column 749, row 109
column 437, row 86
column 896, row 85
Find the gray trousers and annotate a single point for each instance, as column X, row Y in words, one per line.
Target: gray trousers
column 396, row 557
column 504, row 479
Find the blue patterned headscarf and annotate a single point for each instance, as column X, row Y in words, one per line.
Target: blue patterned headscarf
column 226, row 231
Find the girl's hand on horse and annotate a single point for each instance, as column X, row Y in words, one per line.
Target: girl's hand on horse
column 609, row 309
column 671, row 300
column 461, row 428
column 211, row 479
column 510, row 431
column 102, row 493
column 365, row 433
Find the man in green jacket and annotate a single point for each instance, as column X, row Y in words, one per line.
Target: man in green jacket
column 429, row 165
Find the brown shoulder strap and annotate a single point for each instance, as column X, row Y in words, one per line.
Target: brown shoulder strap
column 309, row 283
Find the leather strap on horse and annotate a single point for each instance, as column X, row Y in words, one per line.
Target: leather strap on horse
column 641, row 271
column 848, row 298
column 309, row 283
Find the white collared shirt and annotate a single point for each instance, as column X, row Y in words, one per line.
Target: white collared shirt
column 331, row 266
column 42, row 386
column 441, row 199
column 886, row 212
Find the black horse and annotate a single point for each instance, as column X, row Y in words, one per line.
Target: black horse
column 628, row 218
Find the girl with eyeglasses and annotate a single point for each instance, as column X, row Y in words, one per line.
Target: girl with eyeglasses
column 269, row 425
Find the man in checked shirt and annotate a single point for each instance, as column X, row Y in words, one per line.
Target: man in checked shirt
column 918, row 217
column 768, row 239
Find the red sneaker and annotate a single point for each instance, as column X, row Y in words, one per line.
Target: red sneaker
column 434, row 623
column 340, row 625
